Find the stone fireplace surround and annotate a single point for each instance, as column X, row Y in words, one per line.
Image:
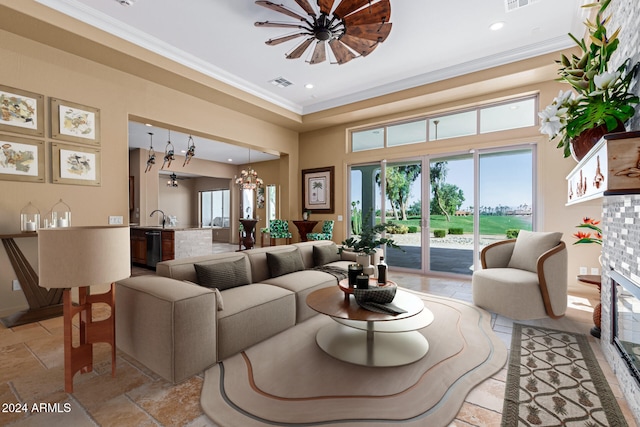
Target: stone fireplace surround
column 620, row 252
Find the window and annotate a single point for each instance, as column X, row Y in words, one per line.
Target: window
column 517, row 113
column 367, row 139
column 508, row 116
column 453, row 125
column 407, row 133
column 214, row 208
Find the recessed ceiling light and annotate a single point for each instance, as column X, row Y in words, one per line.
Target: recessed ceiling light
column 148, row 124
column 229, row 160
column 496, row 26
column 309, row 86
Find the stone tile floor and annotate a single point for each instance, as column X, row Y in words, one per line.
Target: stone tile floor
column 31, row 372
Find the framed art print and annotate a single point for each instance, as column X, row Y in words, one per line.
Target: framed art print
column 74, row 122
column 318, row 190
column 21, row 111
column 75, row 164
column 21, row 159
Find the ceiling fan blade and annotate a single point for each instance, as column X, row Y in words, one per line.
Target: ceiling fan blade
column 325, row 6
column 349, row 6
column 362, row 46
column 278, row 25
column 375, row 32
column 319, row 53
column 279, row 8
column 278, row 40
column 300, row 49
column 378, row 13
column 341, row 52
column 306, row 6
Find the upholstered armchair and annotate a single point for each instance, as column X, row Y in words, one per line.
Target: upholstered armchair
column 279, row 229
column 523, row 278
column 325, row 234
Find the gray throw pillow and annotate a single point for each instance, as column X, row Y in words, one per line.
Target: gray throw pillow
column 223, row 275
column 281, row 263
column 529, row 246
column 324, row 254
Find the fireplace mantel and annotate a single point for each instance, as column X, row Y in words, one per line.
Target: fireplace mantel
column 612, row 167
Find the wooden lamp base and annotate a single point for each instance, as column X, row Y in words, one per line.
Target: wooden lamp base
column 81, row 357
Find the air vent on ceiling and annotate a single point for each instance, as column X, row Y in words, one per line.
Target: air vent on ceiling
column 517, row 4
column 280, row 82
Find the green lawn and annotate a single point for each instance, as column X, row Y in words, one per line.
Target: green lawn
column 488, row 224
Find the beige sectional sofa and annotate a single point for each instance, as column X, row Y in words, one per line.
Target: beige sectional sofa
column 178, row 328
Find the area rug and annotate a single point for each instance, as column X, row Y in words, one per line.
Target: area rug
column 288, row 380
column 554, row 379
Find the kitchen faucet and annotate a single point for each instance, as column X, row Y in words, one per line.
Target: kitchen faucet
column 164, row 217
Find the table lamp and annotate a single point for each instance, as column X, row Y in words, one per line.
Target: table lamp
column 79, row 257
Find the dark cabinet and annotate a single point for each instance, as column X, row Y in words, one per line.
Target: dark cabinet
column 168, row 245
column 138, row 246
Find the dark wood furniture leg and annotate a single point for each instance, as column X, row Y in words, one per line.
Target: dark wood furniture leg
column 43, row 303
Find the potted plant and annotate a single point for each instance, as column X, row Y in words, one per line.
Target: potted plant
column 599, row 101
column 369, row 239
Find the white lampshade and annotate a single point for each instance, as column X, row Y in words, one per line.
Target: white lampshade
column 83, row 256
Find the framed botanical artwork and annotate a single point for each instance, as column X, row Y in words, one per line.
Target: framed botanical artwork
column 21, row 159
column 74, row 122
column 75, row 164
column 21, row 111
column 318, row 190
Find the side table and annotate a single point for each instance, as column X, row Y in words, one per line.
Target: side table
column 594, row 279
column 304, row 227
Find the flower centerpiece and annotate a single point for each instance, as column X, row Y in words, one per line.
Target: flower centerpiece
column 599, row 101
column 585, row 237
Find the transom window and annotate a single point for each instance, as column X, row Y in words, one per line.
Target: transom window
column 494, row 117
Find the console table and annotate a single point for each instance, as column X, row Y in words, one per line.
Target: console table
column 304, row 227
column 43, row 304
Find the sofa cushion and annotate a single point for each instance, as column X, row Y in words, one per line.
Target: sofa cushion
column 529, row 246
column 220, row 303
column 325, row 254
column 284, row 263
column 222, row 275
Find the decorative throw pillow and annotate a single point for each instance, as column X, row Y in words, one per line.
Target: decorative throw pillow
column 216, row 291
column 529, row 246
column 324, row 254
column 281, row 263
column 222, row 275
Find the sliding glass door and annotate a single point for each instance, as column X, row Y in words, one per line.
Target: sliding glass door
column 444, row 214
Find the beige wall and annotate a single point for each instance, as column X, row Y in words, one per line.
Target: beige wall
column 38, row 68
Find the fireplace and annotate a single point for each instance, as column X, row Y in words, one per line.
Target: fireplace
column 625, row 321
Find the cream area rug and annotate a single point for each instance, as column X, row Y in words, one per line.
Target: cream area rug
column 288, row 380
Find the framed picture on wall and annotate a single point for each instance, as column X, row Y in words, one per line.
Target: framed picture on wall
column 21, row 111
column 75, row 164
column 21, row 159
column 74, row 122
column 318, row 190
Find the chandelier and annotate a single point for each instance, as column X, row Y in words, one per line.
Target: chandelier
column 248, row 179
column 173, row 180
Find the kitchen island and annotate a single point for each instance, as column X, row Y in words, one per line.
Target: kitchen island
column 150, row 245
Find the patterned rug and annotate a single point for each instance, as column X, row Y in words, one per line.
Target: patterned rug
column 554, row 380
column 288, row 380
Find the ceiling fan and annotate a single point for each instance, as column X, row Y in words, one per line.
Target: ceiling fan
column 354, row 28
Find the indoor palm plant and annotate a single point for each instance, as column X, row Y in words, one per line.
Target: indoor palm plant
column 599, row 101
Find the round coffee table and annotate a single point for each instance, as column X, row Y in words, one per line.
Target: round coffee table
column 363, row 337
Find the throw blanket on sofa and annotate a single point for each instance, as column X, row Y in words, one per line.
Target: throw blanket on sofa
column 336, row 272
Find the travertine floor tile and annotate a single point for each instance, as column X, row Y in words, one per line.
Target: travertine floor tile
column 478, row 416
column 121, row 411
column 15, row 360
column 489, row 395
column 169, row 404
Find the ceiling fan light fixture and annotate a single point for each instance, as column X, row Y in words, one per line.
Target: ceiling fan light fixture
column 353, row 29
